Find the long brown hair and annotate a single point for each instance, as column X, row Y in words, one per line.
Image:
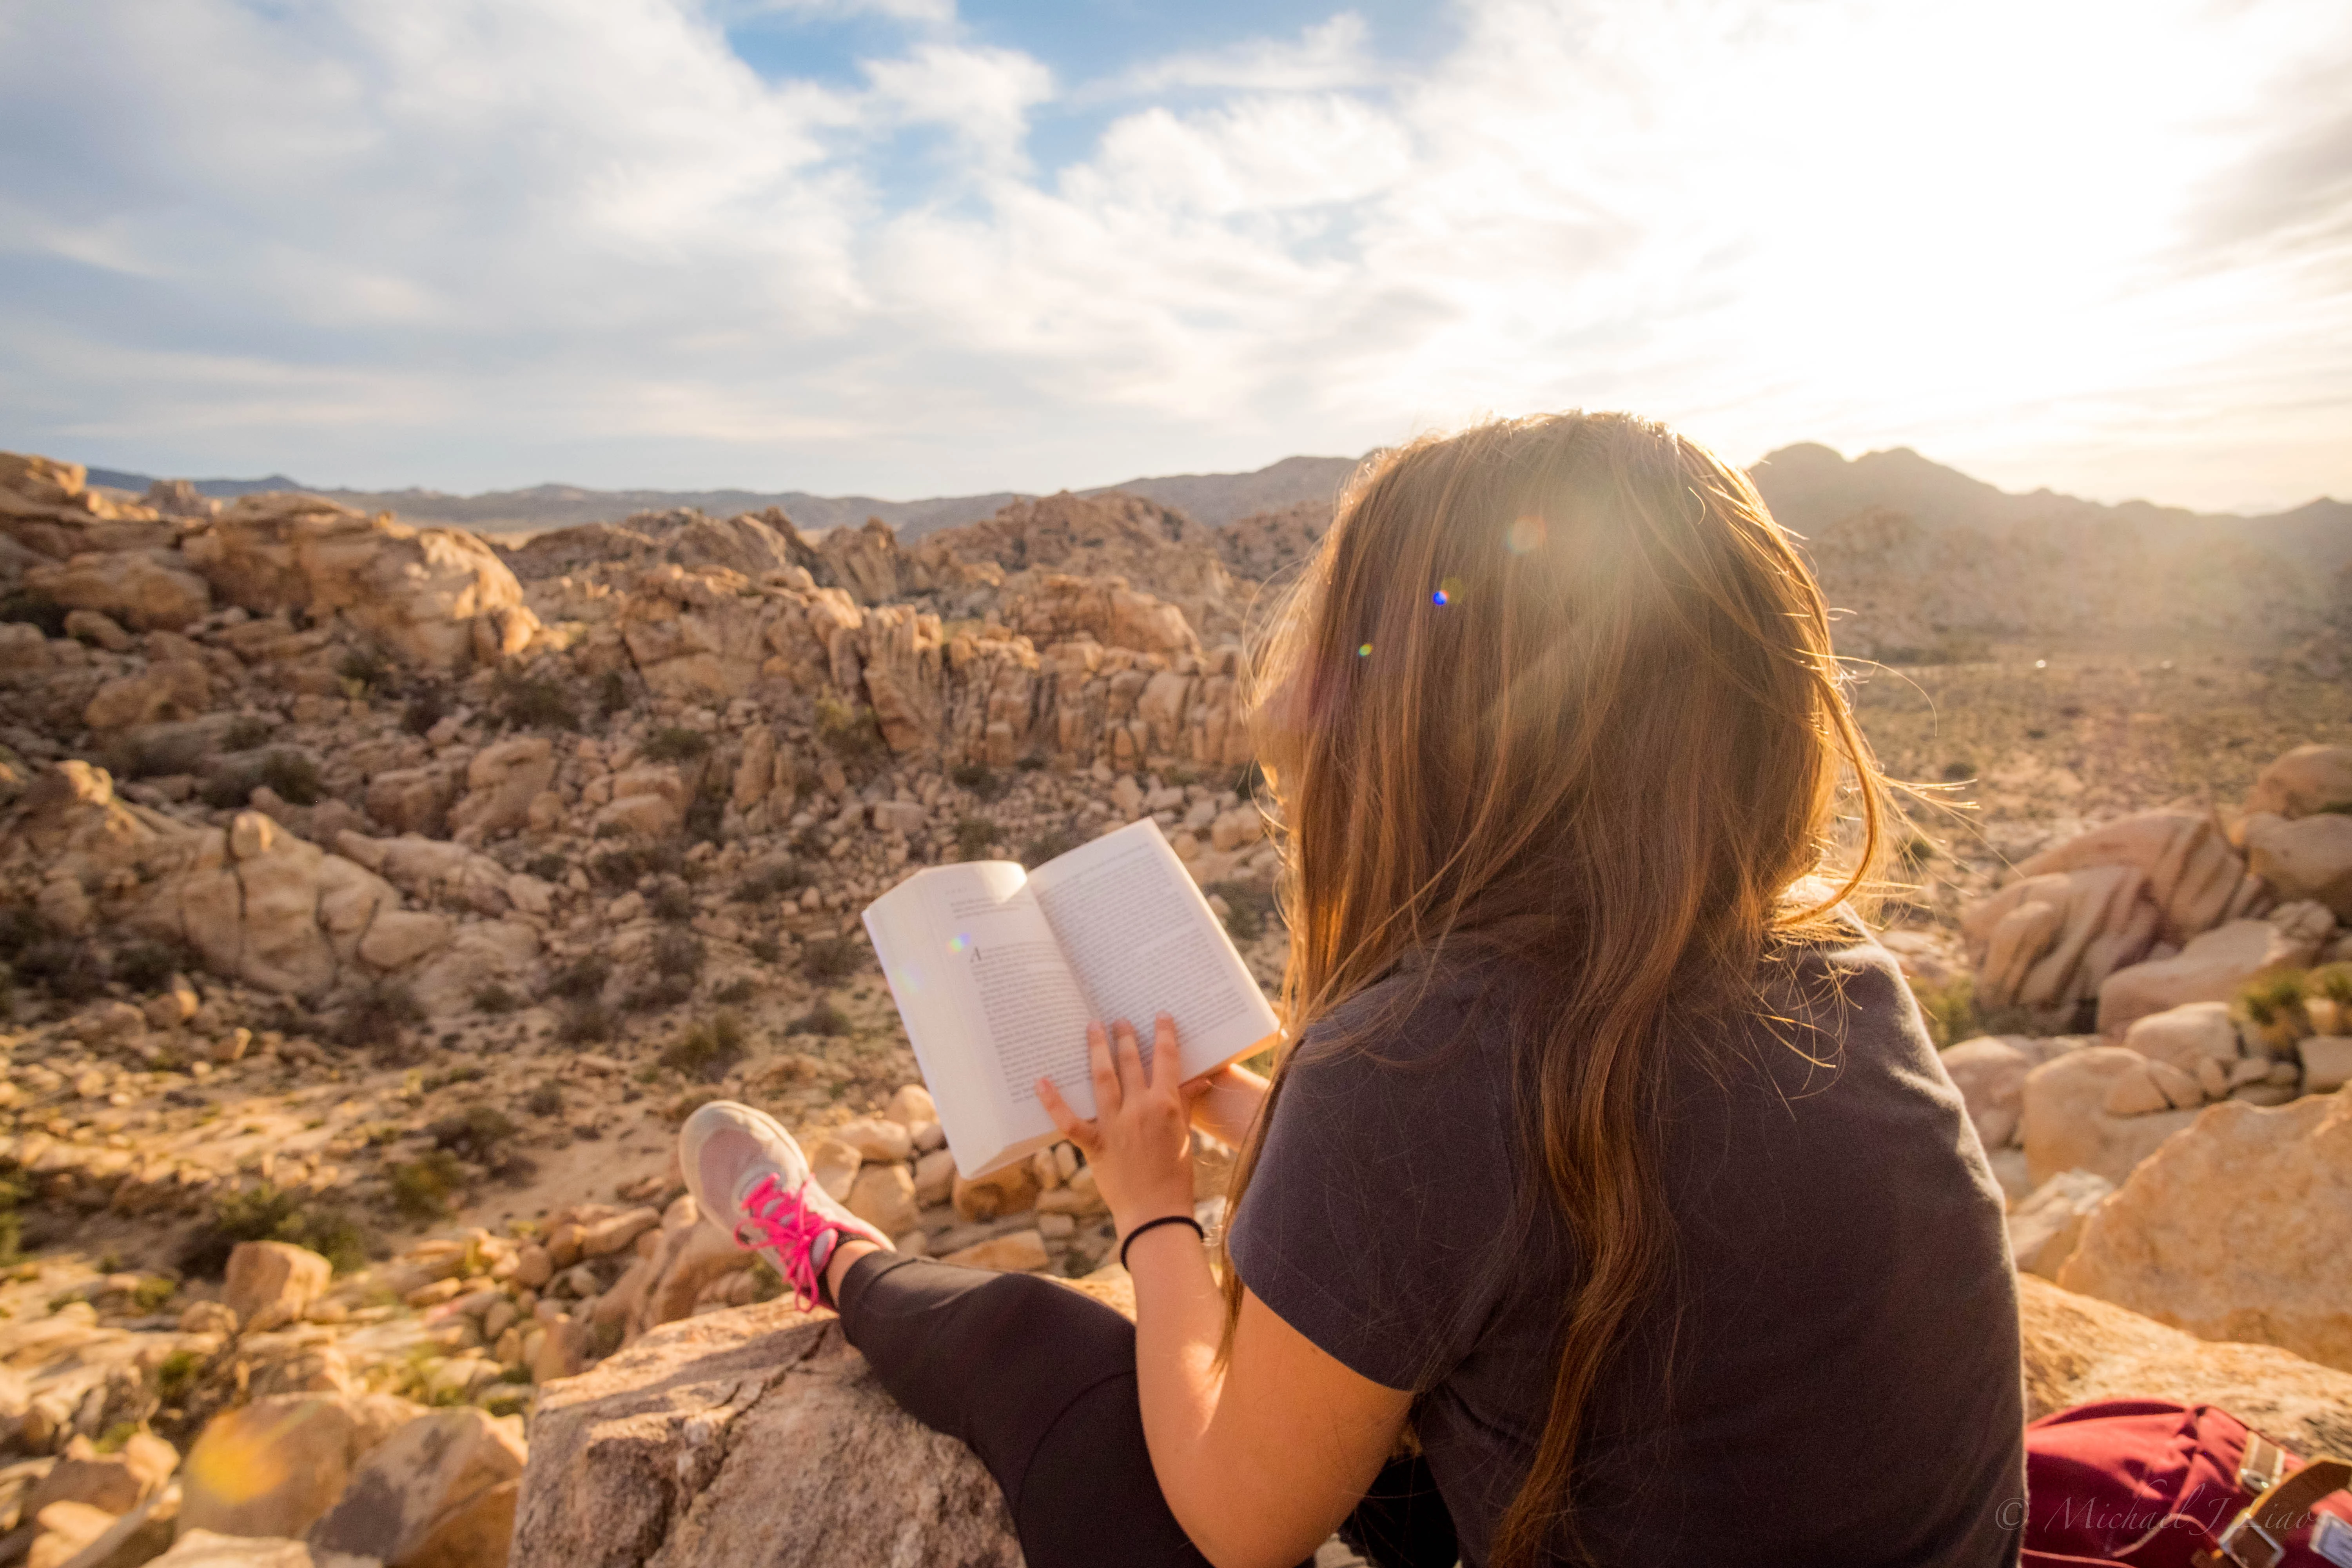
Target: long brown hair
column 1560, row 689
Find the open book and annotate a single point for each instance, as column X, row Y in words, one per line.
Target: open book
column 998, row 971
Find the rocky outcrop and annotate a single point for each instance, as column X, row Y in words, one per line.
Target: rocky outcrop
column 743, row 1436
column 2303, row 782
column 2217, row 965
column 438, row 598
column 2235, row 1230
column 148, row 590
column 2078, row 1349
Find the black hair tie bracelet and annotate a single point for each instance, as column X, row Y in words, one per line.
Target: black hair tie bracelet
column 1154, row 1224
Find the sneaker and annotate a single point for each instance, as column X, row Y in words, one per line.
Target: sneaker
column 742, row 1167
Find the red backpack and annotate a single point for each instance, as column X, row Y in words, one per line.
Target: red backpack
column 2151, row 1484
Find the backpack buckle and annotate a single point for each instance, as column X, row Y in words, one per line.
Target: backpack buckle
column 2253, row 1537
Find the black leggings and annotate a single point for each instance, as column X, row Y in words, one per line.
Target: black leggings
column 1040, row 1382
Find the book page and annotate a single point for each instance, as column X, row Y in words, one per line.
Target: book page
column 989, row 1003
column 1142, row 940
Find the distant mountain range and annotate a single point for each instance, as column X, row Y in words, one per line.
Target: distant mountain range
column 1211, row 499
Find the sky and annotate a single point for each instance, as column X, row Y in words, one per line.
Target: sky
column 910, row 247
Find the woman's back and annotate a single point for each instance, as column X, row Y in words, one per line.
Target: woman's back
column 1840, row 1319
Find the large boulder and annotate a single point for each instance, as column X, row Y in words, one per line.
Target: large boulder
column 439, row 1493
column 271, row 1282
column 149, row 590
column 2304, row 858
column 2236, row 1230
column 2304, row 781
column 749, row 1435
column 2078, row 912
column 2217, row 965
column 1989, row 1072
column 2067, row 1123
column 274, row 1467
column 438, row 599
column 2078, row 1349
column 2046, row 1225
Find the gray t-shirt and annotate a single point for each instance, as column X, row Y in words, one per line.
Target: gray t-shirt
column 1844, row 1384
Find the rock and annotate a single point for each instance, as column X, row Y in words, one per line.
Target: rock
column 148, row 590
column 412, row 800
column 835, row 1165
column 2078, row 1350
column 1989, row 1072
column 562, row 1352
column 2303, row 782
column 274, row 1467
column 61, row 1529
column 616, row 1233
column 1023, row 1251
column 2326, row 1063
column 2045, row 1228
column 271, row 1282
column 911, row 1107
column 2215, row 967
column 884, row 1197
column 2186, row 1035
column 2065, row 1126
column 138, row 1537
column 2077, row 913
column 877, row 1139
column 533, row 1267
column 206, row 1549
column 2304, row 857
column 750, row 1435
column 438, row 598
column 2235, row 1230
column 439, row 1491
column 935, row 1176
column 116, row 1482
column 692, row 1257
column 649, row 799
column 1000, row 1193
column 207, row 1317
column 500, row 783
column 170, row 689
column 98, row 630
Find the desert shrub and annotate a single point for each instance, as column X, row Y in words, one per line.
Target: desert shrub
column 734, row 993
column 2332, row 981
column 824, row 1018
column 612, row 693
column 293, row 775
column 268, row 1214
column 978, row 778
column 671, row 901
column 766, row 949
column 380, row 1012
column 678, row 952
column 1048, row 844
column 2274, row 1004
column 630, row 863
column 705, row 813
column 586, row 1023
column 148, row 966
column 1915, row 853
column 366, row 667
column 151, row 1292
column 13, row 1191
column 495, row 1000
column 707, row 1050
column 1959, row 769
column 246, row 732
column 676, row 743
column 850, row 733
column 973, row 836
column 1952, row 1014
column 478, row 1133
column 548, row 866
column 1250, row 905
column 547, row 1099
column 226, row 791
column 581, row 980
column 176, row 1375
column 7, row 993
column 1033, row 762
column 424, row 710
column 828, row 959
column 528, row 703
column 68, row 969
column 771, row 882
column 35, row 609
column 422, row 1188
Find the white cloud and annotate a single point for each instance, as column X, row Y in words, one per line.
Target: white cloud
column 579, row 238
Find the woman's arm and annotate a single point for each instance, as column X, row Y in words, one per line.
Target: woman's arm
column 1258, row 1462
column 1227, row 1103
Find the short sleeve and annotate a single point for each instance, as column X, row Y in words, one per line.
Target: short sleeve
column 1372, row 1223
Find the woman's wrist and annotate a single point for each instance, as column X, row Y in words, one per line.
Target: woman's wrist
column 1144, row 1231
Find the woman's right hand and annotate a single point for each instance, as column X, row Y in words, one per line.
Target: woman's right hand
column 1230, row 1100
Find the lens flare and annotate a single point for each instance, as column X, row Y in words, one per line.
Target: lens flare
column 959, row 943
column 1524, row 535
column 1365, row 651
column 1448, row 590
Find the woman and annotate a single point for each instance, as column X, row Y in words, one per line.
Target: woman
column 1607, row 1202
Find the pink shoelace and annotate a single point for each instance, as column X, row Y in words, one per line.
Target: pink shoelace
column 780, row 1220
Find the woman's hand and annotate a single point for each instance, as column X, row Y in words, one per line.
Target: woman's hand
column 1139, row 1144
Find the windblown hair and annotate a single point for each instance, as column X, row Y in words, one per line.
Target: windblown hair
column 1559, row 691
